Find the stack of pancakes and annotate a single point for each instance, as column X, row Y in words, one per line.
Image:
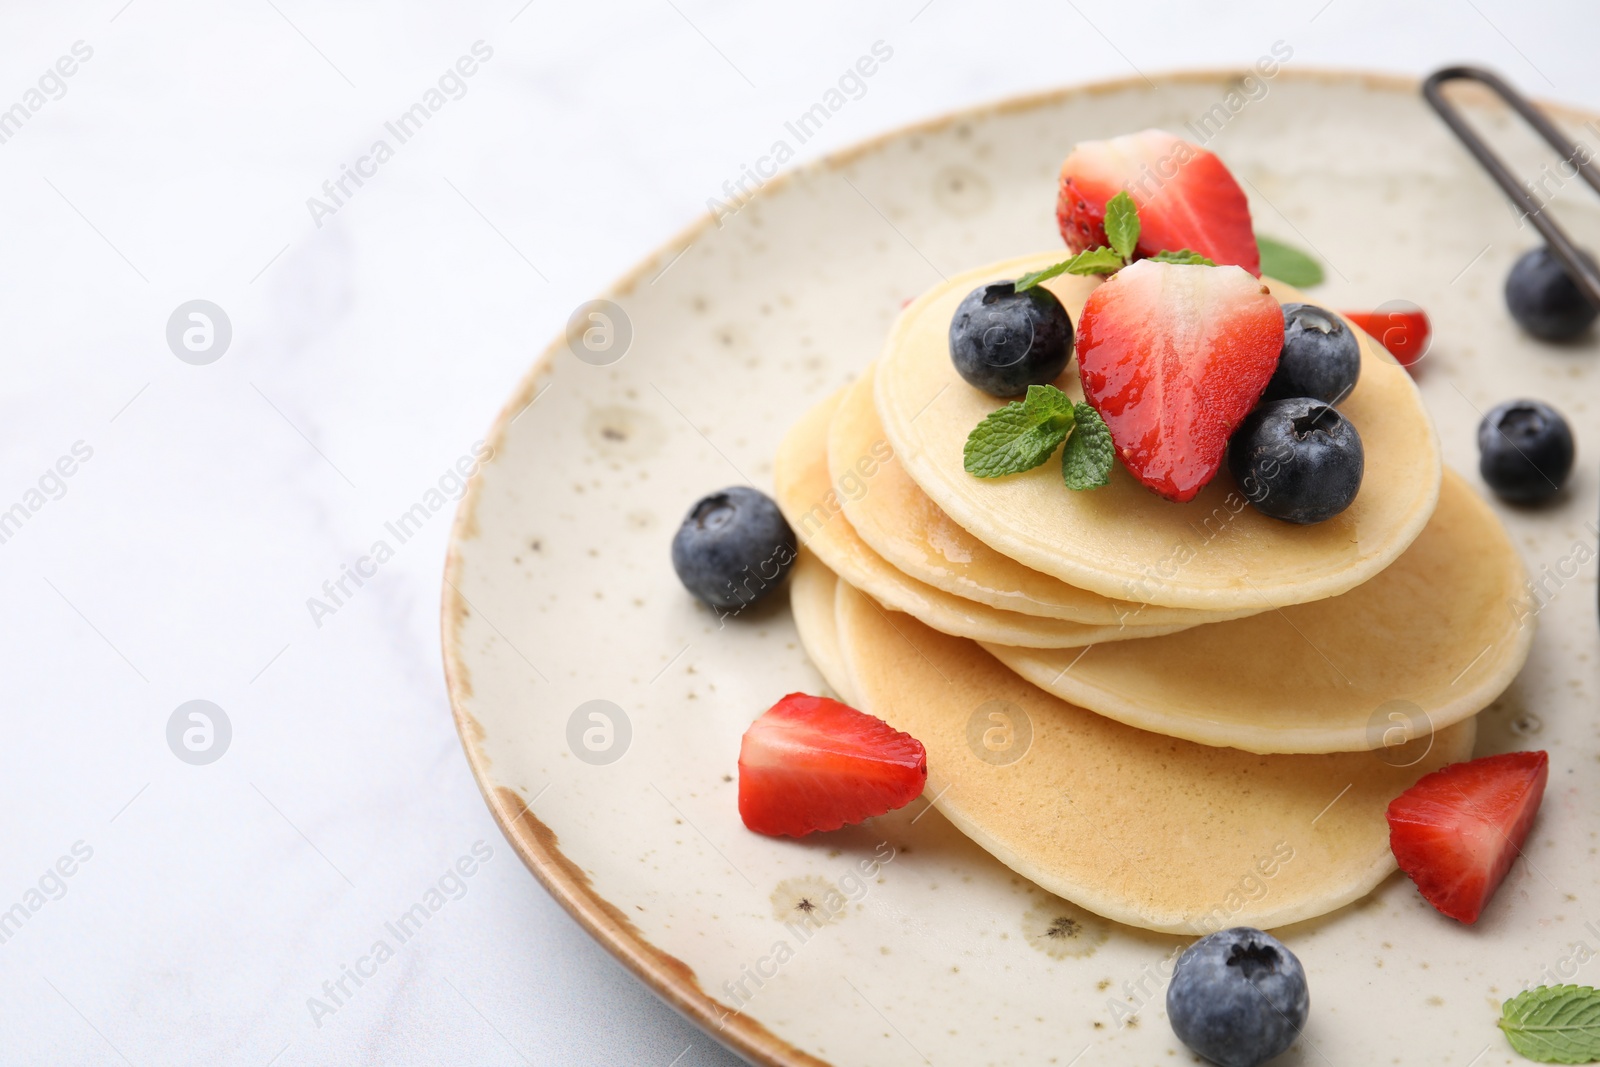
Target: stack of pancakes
column 1179, row 716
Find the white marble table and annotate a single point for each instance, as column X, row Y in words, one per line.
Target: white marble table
column 176, row 529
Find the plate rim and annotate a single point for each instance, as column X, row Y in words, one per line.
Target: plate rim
column 536, row 843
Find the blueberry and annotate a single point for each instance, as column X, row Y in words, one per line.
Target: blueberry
column 733, row 548
column 1298, row 460
column 1321, row 357
column 1238, row 997
column 1525, row 450
column 1544, row 300
column 1003, row 341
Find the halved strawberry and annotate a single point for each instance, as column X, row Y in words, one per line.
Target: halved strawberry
column 1457, row 830
column 1174, row 357
column 810, row 763
column 1185, row 196
column 1403, row 329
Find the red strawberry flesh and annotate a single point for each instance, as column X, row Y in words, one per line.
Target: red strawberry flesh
column 1404, row 333
column 1185, row 196
column 1173, row 357
column 1458, row 830
column 810, row 763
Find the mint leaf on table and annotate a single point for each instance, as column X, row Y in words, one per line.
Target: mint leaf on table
column 1086, row 461
column 1089, row 261
column 1019, row 436
column 1183, row 255
column 1287, row 263
column 1554, row 1024
column 1122, row 225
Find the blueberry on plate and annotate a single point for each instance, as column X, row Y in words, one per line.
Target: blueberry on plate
column 1544, row 300
column 1298, row 460
column 1003, row 341
column 1238, row 997
column 1321, row 357
column 733, row 548
column 1525, row 450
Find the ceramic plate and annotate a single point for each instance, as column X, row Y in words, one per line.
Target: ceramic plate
column 601, row 708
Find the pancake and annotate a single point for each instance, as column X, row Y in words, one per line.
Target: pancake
column 1432, row 639
column 1122, row 541
column 812, row 593
column 898, row 521
column 1144, row 829
column 811, row 504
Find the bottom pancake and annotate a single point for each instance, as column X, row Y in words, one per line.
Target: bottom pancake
column 1144, row 829
column 812, row 593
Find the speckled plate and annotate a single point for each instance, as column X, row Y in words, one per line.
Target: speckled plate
column 601, row 708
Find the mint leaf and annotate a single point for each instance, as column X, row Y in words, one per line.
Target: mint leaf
column 1095, row 261
column 1048, row 402
column 1554, row 1024
column 1019, row 436
column 1288, row 264
column 1086, row 461
column 1183, row 255
column 1089, row 261
column 1122, row 225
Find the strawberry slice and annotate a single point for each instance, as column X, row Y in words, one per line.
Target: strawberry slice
column 1403, row 329
column 1174, row 357
column 810, row 763
column 1457, row 830
column 1185, row 196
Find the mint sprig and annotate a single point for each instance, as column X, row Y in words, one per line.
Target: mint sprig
column 1019, row 436
column 1025, row 433
column 1122, row 231
column 1554, row 1024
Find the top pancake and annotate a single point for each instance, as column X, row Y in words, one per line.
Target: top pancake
column 895, row 517
column 1122, row 541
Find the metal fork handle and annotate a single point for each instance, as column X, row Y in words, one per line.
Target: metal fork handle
column 1578, row 268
